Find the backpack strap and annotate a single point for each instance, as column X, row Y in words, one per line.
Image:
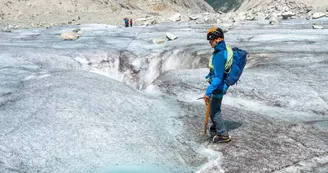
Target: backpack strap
column 228, row 55
column 229, row 58
column 210, row 64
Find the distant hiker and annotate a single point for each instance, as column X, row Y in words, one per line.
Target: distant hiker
column 126, row 21
column 130, row 22
column 217, row 88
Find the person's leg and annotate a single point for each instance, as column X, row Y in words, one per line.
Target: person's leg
column 212, row 128
column 216, row 116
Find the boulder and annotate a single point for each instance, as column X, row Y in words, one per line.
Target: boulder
column 309, row 8
column 240, row 17
column 158, row 41
column 6, row 30
column 317, row 26
column 176, row 17
column 260, row 16
column 184, row 18
column 141, row 20
column 69, row 36
column 274, row 20
column 310, row 14
column 250, row 17
column 150, row 22
column 287, row 15
column 200, row 20
column 206, row 18
column 76, row 30
column 278, row 8
column 318, row 15
column 170, row 36
column 193, row 17
column 226, row 18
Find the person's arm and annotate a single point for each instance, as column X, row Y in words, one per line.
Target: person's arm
column 218, row 73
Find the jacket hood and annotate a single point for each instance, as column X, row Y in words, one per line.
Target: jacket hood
column 220, row 46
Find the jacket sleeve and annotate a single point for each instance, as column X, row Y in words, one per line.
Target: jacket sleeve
column 208, row 77
column 218, row 73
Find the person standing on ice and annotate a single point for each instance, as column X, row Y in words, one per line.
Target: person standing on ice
column 126, row 22
column 219, row 62
column 130, row 22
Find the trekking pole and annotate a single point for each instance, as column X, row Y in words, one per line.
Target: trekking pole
column 208, row 108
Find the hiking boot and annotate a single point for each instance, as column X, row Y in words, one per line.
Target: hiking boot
column 221, row 138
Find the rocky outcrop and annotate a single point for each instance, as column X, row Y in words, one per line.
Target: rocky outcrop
column 40, row 13
column 284, row 8
column 263, row 10
column 272, row 11
column 237, row 5
column 149, row 12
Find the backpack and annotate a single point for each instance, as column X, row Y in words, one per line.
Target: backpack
column 238, row 63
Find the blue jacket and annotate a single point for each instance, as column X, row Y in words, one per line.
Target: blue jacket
column 216, row 76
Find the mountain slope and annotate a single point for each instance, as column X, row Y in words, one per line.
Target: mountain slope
column 42, row 12
column 245, row 5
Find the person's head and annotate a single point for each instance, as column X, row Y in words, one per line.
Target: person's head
column 215, row 35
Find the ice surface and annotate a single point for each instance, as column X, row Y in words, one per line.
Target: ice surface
column 114, row 100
